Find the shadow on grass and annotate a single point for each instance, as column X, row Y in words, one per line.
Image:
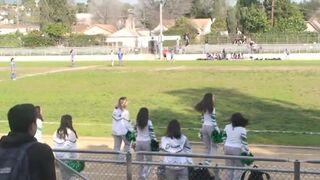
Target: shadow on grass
column 263, row 114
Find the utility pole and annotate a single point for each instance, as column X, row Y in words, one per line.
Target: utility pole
column 272, row 13
column 161, row 31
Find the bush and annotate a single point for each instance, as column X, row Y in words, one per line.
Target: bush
column 36, row 39
column 11, row 40
column 78, row 40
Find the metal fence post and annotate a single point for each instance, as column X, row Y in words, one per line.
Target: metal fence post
column 296, row 170
column 216, row 173
column 129, row 166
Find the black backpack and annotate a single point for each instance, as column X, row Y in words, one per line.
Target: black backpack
column 199, row 174
column 14, row 163
column 255, row 175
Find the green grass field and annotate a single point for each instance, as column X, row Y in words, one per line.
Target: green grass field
column 275, row 95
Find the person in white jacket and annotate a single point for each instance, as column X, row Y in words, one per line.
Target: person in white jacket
column 121, row 125
column 65, row 137
column 176, row 143
column 235, row 143
column 145, row 134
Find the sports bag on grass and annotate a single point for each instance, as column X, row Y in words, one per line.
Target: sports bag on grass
column 255, row 175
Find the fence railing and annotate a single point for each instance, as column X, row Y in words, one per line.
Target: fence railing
column 120, row 166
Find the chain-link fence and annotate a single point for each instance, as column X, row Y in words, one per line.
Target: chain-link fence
column 191, row 49
column 120, row 166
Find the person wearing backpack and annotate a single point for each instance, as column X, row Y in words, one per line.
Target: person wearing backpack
column 22, row 157
column 175, row 143
column 235, row 143
column 145, row 134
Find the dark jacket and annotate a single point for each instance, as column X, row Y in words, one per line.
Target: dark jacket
column 41, row 159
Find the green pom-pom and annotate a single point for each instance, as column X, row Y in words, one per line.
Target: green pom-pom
column 247, row 162
column 131, row 136
column 217, row 136
column 154, row 145
column 76, row 165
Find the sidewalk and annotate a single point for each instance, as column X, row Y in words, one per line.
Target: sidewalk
column 274, row 151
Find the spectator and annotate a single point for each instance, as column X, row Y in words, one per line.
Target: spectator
column 65, row 137
column 13, row 69
column 209, row 123
column 121, row 125
column 38, row 134
column 145, row 134
column 174, row 142
column 38, row 158
column 236, row 143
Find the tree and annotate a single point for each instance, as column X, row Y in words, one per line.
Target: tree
column 81, row 8
column 202, row 8
column 56, row 11
column 148, row 10
column 219, row 25
column 310, row 8
column 56, row 31
column 106, row 11
column 253, row 19
column 232, row 20
column 291, row 24
column 287, row 16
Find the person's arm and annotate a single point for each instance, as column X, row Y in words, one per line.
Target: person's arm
column 151, row 131
column 244, row 143
column 187, row 150
column 126, row 119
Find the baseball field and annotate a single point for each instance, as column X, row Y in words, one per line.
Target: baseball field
column 281, row 99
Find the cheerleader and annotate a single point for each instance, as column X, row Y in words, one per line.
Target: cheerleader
column 145, row 134
column 175, row 142
column 209, row 123
column 121, row 125
column 236, row 143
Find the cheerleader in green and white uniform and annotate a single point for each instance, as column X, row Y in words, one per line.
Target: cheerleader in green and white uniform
column 145, row 134
column 209, row 123
column 121, row 125
column 176, row 143
column 235, row 143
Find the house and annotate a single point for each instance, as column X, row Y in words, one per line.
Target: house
column 13, row 28
column 203, row 26
column 313, row 25
column 103, row 29
column 166, row 24
column 95, row 29
column 129, row 36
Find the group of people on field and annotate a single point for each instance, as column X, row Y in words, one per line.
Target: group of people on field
column 235, row 140
column 25, row 122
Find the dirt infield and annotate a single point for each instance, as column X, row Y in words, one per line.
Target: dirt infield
column 274, row 151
